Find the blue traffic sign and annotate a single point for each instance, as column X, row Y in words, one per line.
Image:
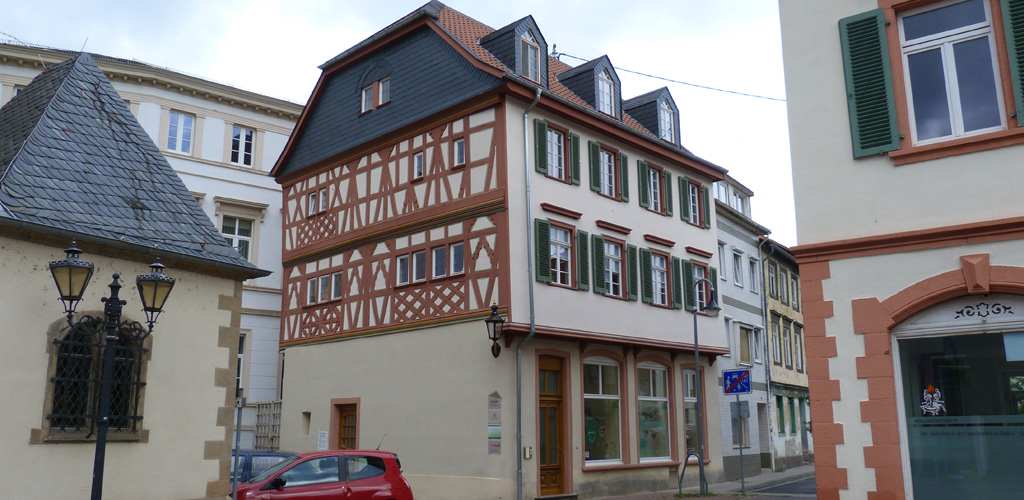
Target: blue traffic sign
column 736, row 381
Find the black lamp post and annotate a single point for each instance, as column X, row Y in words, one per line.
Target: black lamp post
column 72, row 277
column 494, row 325
column 710, row 309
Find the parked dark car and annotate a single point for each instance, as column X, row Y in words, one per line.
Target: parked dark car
column 328, row 475
column 253, row 462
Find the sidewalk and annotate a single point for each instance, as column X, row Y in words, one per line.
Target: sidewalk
column 730, row 490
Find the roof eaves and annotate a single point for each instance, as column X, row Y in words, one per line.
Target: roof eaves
column 432, row 9
column 735, row 215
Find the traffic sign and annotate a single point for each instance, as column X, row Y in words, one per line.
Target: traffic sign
column 736, row 381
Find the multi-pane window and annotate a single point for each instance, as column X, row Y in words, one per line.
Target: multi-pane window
column 739, row 202
column 690, row 410
column 703, row 292
column 654, row 187
column 798, row 345
column 776, row 342
column 605, row 93
column 601, row 426
column 613, row 268
column 238, row 233
column 367, row 100
column 659, row 278
column 561, row 256
column 693, row 197
column 666, row 122
column 556, row 154
column 721, row 260
column 419, row 265
column 784, row 286
column 652, row 409
column 179, row 132
column 312, row 291
column 756, row 347
column 794, row 282
column 458, row 265
column 460, row 152
column 951, row 71
column 607, row 173
column 418, row 165
column 746, row 341
column 241, row 145
column 737, row 268
column 337, row 285
column 325, row 288
column 402, row 270
column 722, row 192
column 773, row 280
column 384, row 87
column 530, row 57
column 787, row 344
column 440, row 262
column 375, row 94
column 755, row 276
column 317, row 202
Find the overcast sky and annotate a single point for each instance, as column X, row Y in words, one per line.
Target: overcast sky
column 274, row 47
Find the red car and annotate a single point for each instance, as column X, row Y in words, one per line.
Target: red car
column 331, row 475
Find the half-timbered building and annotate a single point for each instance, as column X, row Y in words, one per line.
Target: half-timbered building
column 442, row 166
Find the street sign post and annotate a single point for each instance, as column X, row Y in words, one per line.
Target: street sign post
column 738, row 382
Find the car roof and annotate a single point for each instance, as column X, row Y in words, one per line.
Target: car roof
column 332, row 453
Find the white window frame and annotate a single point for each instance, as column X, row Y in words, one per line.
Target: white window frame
column 755, row 276
column 531, row 56
column 461, row 268
column 659, row 279
column 384, row 92
column 243, row 145
column 613, row 268
column 419, row 266
column 728, row 336
column 798, row 347
column 418, row 165
column 181, row 130
column 722, row 191
column 325, row 288
column 666, row 122
column 557, row 276
column 441, row 259
column 605, row 93
column 366, row 99
column 747, row 331
column 403, row 278
column 556, row 154
column 756, row 344
column 312, row 292
column 722, row 268
column 776, row 341
column 737, row 264
column 607, row 162
column 236, row 240
column 794, row 295
column 653, row 367
column 787, row 343
column 739, row 202
column 460, row 152
column 241, row 209
column 701, row 298
column 944, row 41
column 603, row 361
column 337, row 285
column 693, row 197
column 654, row 177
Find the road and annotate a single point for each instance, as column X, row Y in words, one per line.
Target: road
column 798, row 489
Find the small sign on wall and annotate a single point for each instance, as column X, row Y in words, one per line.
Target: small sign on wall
column 494, row 424
column 321, row 440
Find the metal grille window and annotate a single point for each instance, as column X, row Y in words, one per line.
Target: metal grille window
column 76, row 383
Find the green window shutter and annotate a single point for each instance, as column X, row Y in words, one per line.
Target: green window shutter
column 707, row 206
column 597, row 244
column 542, row 240
column 623, row 177
column 631, row 264
column 595, row 166
column 684, row 199
column 714, row 279
column 582, row 258
column 1013, row 25
column 540, row 136
column 869, row 84
column 642, row 185
column 677, row 286
column 688, row 283
column 574, row 157
column 645, row 276
column 667, row 186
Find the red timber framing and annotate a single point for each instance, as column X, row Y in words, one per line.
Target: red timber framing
column 376, row 213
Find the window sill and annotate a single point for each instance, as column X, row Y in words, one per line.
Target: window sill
column 416, row 180
column 614, row 198
column 643, row 465
column 460, row 166
column 914, row 154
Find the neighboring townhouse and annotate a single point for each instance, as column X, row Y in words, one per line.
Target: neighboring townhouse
column 221, row 141
column 442, row 166
column 76, row 168
column 739, row 274
column 787, row 375
column 907, row 129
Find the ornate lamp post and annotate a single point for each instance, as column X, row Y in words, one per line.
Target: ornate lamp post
column 710, row 309
column 72, row 277
column 494, row 325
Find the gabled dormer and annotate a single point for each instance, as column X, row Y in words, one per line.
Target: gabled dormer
column 656, row 111
column 522, row 48
column 596, row 83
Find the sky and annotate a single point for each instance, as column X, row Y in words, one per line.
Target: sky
column 274, row 48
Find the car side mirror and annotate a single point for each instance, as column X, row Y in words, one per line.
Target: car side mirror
column 276, row 484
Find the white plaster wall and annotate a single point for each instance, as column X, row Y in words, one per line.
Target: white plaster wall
column 877, row 198
column 213, row 139
column 149, row 118
column 181, row 402
column 273, row 145
column 603, row 314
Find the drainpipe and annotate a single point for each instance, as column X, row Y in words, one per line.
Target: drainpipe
column 767, row 348
column 529, row 281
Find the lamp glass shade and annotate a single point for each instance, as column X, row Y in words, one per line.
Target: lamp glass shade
column 494, row 324
column 712, row 309
column 72, row 277
column 154, row 289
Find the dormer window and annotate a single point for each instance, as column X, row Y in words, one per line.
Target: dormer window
column 375, row 95
column 605, row 93
column 666, row 119
column 530, row 54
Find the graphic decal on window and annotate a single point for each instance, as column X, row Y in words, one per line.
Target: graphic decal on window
column 932, row 401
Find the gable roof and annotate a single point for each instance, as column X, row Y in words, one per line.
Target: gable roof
column 75, row 162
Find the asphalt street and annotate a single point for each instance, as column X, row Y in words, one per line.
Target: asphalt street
column 799, row 489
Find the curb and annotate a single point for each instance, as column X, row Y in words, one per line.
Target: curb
column 767, row 483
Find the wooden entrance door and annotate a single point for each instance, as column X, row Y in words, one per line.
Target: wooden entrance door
column 346, row 427
column 552, row 435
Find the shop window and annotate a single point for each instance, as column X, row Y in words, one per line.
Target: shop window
column 601, row 412
column 652, row 409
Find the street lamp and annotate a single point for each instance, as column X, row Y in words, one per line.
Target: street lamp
column 494, row 325
column 72, row 277
column 710, row 309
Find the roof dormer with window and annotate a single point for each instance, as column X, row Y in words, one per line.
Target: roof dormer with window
column 596, row 83
column 522, row 48
column 657, row 111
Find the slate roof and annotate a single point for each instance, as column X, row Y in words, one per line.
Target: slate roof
column 73, row 159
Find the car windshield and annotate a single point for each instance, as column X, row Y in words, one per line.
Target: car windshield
column 273, row 469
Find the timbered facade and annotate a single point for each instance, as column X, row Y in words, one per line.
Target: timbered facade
column 442, row 166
